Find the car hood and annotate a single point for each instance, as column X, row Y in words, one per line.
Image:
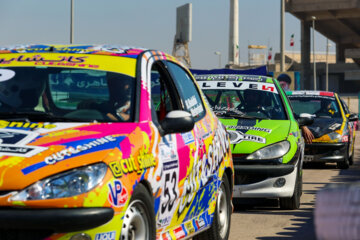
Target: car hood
column 249, row 135
column 323, row 126
column 33, row 151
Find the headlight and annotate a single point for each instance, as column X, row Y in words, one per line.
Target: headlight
column 334, row 136
column 68, row 184
column 276, row 150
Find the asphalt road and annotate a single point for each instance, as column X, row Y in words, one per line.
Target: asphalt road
column 264, row 220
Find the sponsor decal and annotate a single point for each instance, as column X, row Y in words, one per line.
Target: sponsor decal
column 106, row 236
column 345, row 138
column 188, row 138
column 230, row 77
column 335, row 126
column 200, row 223
column 217, row 77
column 32, row 125
column 189, row 227
column 168, row 152
column 194, row 106
column 69, row 152
column 166, row 236
column 179, row 233
column 91, row 146
column 170, row 165
column 237, row 137
column 118, row 195
column 129, row 165
column 13, row 143
column 314, row 97
column 164, row 221
column 41, row 59
column 247, row 128
column 238, row 85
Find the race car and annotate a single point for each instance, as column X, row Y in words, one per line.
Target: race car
column 266, row 141
column 106, row 142
column 333, row 127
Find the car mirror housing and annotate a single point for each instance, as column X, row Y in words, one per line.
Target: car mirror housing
column 177, row 122
column 353, row 117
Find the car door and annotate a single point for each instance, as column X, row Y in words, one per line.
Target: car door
column 205, row 158
column 175, row 150
column 351, row 126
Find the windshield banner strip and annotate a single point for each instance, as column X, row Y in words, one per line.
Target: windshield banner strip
column 123, row 65
column 236, row 85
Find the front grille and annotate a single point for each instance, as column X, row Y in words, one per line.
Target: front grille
column 320, row 150
column 15, row 234
column 249, row 178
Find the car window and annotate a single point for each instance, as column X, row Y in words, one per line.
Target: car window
column 345, row 107
column 164, row 97
column 244, row 99
column 320, row 106
column 83, row 94
column 188, row 91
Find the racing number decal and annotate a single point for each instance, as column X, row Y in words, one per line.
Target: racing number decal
column 170, row 161
column 169, row 192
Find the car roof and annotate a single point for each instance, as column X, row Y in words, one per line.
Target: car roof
column 310, row 93
column 112, row 50
column 233, row 77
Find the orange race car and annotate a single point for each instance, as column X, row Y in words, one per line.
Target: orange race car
column 104, row 142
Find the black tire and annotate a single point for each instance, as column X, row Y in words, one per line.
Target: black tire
column 345, row 164
column 139, row 218
column 215, row 232
column 292, row 203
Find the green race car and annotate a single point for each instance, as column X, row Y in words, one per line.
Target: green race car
column 266, row 139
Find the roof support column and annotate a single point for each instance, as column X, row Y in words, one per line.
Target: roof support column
column 340, row 53
column 305, row 56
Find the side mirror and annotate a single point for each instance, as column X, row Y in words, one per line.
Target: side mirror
column 305, row 119
column 177, row 122
column 353, row 117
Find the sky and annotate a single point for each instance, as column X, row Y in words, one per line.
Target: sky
column 151, row 24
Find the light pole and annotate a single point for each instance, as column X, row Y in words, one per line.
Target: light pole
column 282, row 37
column 72, row 22
column 327, row 65
column 218, row 53
column 313, row 40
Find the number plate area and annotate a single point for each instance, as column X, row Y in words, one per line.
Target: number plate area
column 308, row 158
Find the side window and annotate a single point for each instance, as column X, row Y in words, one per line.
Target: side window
column 163, row 95
column 344, row 106
column 187, row 90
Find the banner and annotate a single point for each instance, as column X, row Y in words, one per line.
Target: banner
column 253, row 71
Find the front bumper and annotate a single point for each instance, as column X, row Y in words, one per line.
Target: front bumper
column 254, row 181
column 325, row 152
column 54, row 220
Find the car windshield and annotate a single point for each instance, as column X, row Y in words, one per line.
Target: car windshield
column 318, row 106
column 244, row 99
column 65, row 94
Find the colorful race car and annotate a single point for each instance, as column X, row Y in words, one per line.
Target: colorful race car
column 104, row 142
column 266, row 141
column 333, row 127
